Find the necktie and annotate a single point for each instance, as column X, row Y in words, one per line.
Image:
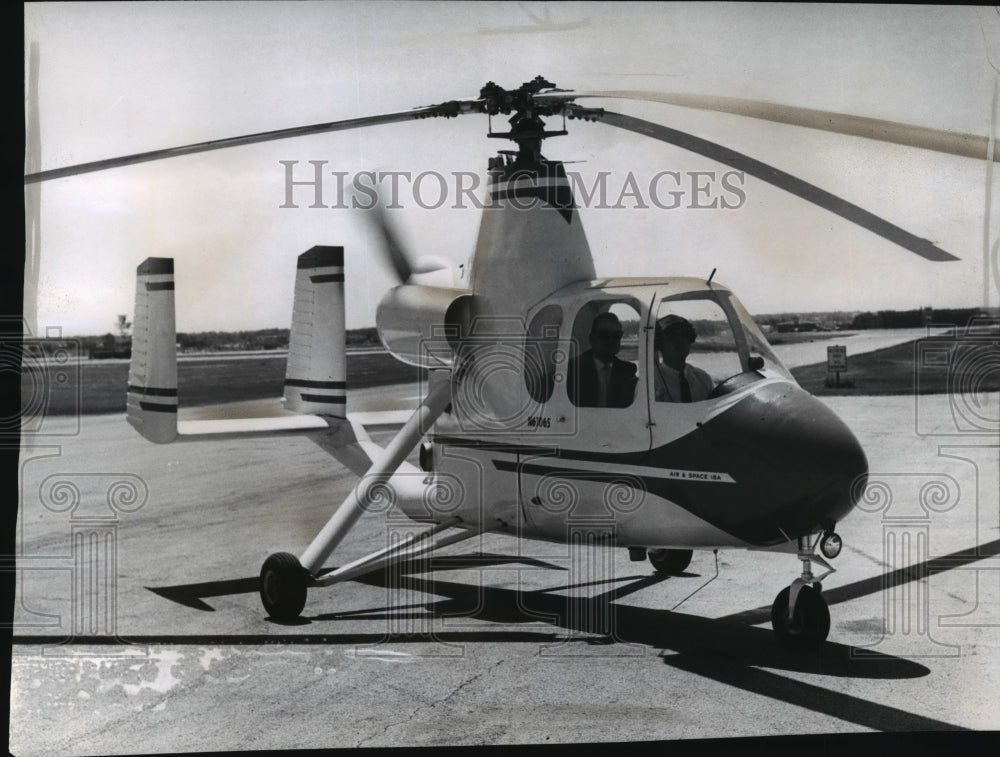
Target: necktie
column 685, row 388
column 605, row 384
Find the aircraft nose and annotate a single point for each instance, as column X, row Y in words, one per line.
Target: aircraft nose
column 820, row 444
column 808, row 468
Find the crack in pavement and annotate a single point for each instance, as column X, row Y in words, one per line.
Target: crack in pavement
column 469, row 682
column 412, row 716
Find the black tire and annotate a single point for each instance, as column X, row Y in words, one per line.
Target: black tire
column 670, row 561
column 809, row 626
column 283, row 583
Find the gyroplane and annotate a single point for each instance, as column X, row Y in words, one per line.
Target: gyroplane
column 649, row 412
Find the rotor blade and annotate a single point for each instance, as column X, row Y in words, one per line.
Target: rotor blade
column 950, row 142
column 778, row 178
column 448, row 109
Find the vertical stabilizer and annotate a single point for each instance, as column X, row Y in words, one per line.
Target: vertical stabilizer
column 152, row 378
column 316, row 377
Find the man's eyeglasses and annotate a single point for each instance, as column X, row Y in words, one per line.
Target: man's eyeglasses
column 616, row 335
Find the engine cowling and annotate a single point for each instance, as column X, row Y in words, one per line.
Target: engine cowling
column 421, row 325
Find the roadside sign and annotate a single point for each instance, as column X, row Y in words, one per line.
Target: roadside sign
column 836, row 358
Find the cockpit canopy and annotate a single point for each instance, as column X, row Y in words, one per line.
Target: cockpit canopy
column 727, row 340
column 727, row 344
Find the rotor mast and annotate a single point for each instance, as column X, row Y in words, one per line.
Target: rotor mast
column 527, row 129
column 531, row 242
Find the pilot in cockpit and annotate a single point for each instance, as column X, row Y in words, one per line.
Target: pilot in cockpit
column 674, row 380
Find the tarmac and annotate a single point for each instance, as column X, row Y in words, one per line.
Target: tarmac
column 139, row 629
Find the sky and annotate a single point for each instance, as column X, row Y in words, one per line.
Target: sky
column 119, row 78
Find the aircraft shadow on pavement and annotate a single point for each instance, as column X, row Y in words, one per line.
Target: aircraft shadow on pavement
column 582, row 620
column 727, row 650
column 730, row 650
column 598, row 620
column 194, row 595
column 730, row 639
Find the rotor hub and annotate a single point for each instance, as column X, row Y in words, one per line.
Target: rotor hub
column 527, row 129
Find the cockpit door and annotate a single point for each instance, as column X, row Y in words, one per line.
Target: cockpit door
column 578, row 461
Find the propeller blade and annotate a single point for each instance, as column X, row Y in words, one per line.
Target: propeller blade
column 448, row 110
column 950, row 142
column 778, row 178
column 430, row 264
column 393, row 248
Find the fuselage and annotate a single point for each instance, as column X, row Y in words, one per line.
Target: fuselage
column 758, row 463
column 753, row 461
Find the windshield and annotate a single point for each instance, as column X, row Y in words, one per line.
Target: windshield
column 712, row 346
column 723, row 341
column 757, row 341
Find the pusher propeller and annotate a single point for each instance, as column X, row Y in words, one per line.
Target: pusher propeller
column 399, row 259
column 402, row 261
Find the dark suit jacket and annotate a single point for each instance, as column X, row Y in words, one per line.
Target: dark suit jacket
column 582, row 386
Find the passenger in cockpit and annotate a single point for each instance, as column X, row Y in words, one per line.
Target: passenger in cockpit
column 597, row 378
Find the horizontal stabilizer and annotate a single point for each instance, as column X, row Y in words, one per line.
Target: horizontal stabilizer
column 382, row 417
column 240, row 426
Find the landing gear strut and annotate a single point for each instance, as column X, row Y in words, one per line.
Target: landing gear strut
column 285, row 578
column 799, row 615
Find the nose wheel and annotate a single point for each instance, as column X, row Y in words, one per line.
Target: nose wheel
column 808, row 625
column 670, row 561
column 799, row 615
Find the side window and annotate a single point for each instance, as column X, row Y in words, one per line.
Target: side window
column 695, row 350
column 539, row 352
column 602, row 371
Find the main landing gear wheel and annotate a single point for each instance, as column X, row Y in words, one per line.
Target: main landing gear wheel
column 809, row 624
column 283, row 583
column 670, row 561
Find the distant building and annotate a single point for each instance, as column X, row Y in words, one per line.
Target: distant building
column 110, row 346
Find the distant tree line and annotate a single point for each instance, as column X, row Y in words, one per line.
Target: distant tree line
column 882, row 319
column 903, row 319
column 261, row 339
column 108, row 345
column 111, row 345
column 224, row 341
